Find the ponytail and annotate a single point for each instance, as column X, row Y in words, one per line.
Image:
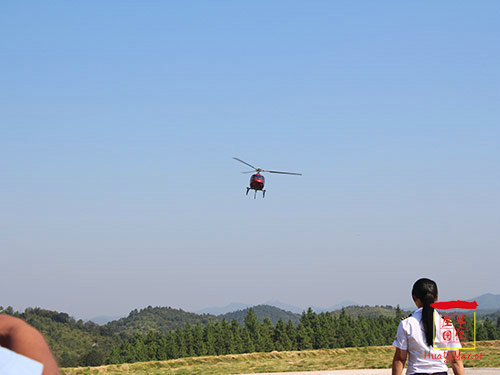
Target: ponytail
column 427, row 314
column 426, row 291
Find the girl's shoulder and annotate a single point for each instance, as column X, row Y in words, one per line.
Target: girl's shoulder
column 406, row 317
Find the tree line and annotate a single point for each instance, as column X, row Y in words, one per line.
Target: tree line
column 76, row 343
column 314, row 331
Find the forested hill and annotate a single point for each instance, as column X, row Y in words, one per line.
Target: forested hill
column 262, row 312
column 156, row 319
column 165, row 319
column 72, row 342
column 77, row 343
column 371, row 311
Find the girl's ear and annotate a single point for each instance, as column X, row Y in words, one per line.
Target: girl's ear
column 417, row 301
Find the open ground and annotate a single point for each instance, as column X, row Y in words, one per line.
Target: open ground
column 315, row 361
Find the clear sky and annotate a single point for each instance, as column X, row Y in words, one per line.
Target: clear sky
column 119, row 120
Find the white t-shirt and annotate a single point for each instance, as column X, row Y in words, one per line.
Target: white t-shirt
column 12, row 363
column 423, row 358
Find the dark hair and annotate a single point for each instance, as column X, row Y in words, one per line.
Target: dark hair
column 426, row 291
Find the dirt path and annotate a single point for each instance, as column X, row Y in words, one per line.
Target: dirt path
column 468, row 371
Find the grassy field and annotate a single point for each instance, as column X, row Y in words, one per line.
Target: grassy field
column 308, row 360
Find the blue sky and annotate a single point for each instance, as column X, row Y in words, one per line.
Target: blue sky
column 119, row 120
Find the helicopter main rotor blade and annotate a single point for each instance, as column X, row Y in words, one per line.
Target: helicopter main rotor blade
column 296, row 174
column 248, row 172
column 244, row 162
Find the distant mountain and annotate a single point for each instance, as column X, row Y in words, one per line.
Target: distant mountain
column 234, row 306
column 284, row 306
column 103, row 319
column 262, row 312
column 275, row 313
column 338, row 306
column 218, row 310
column 487, row 301
column 487, row 305
column 316, row 309
column 162, row 319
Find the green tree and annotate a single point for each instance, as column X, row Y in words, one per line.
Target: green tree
column 319, row 324
column 139, row 348
column 266, row 336
column 237, row 339
column 248, row 343
column 304, row 337
column 281, row 339
column 252, row 326
column 189, row 340
column 198, row 342
column 94, row 357
column 291, row 332
column 152, row 348
column 220, row 342
column 481, row 333
column 209, row 339
column 68, row 359
column 227, row 337
column 399, row 314
column 490, row 329
column 180, row 343
column 171, row 346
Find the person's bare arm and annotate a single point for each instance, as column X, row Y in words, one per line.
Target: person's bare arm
column 456, row 362
column 20, row 337
column 398, row 362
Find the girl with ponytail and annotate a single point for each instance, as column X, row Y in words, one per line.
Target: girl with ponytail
column 415, row 338
column 427, row 292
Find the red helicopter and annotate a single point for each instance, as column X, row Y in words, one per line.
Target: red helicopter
column 257, row 180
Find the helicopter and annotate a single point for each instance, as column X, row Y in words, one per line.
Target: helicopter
column 257, row 180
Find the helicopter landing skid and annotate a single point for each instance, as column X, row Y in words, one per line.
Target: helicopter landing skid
column 255, row 193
